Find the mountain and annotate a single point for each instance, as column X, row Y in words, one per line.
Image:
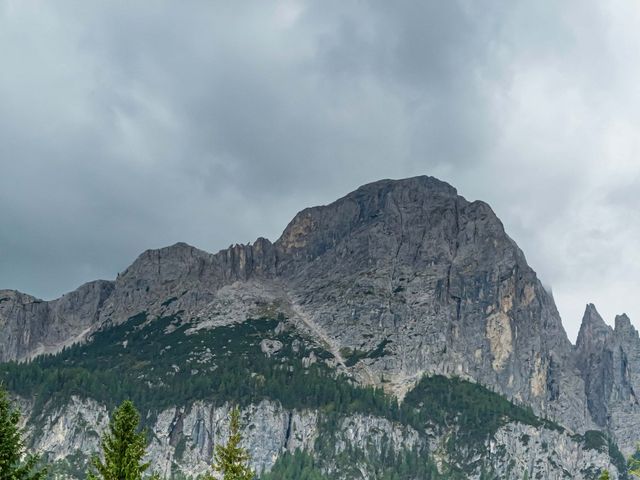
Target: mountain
column 399, row 325
column 609, row 360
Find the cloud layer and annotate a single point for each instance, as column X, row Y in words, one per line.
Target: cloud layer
column 130, row 125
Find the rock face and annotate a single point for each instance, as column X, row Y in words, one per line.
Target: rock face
column 610, row 365
column 544, row 454
column 397, row 279
column 30, row 327
column 183, row 441
column 436, row 277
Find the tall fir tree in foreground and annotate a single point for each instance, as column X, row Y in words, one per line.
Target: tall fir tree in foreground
column 231, row 460
column 123, row 447
column 14, row 463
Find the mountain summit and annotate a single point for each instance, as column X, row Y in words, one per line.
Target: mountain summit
column 398, row 280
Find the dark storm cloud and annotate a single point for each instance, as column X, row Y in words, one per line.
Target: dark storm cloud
column 130, row 125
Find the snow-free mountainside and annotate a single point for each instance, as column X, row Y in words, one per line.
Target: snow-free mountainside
column 395, row 333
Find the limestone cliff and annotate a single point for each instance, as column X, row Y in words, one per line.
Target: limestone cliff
column 183, row 440
column 395, row 280
column 30, row 327
column 610, row 365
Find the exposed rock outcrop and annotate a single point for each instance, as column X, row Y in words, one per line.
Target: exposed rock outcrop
column 397, row 279
column 30, row 327
column 183, row 440
column 609, row 360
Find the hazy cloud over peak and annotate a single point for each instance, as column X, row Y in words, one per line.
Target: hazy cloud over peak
column 131, row 125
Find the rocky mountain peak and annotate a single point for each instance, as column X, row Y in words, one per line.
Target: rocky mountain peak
column 623, row 326
column 594, row 363
column 31, row 326
column 14, row 296
column 593, row 329
column 609, row 362
column 382, row 206
column 399, row 278
column 172, row 262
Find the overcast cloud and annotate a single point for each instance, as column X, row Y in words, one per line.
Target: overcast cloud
column 132, row 125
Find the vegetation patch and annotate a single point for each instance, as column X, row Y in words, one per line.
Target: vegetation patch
column 155, row 363
column 169, row 301
column 476, row 411
column 354, row 356
column 389, row 465
column 593, row 440
column 137, row 360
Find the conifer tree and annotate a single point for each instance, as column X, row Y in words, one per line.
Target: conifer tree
column 634, row 463
column 231, row 460
column 123, row 447
column 604, row 475
column 12, row 450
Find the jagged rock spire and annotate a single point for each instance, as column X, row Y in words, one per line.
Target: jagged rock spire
column 593, row 328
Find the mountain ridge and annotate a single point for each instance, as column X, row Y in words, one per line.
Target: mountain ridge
column 397, row 279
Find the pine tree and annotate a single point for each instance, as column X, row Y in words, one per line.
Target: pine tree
column 12, row 448
column 604, row 475
column 634, row 463
column 231, row 459
column 123, row 447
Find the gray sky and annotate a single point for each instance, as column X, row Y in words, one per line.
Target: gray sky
column 129, row 125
